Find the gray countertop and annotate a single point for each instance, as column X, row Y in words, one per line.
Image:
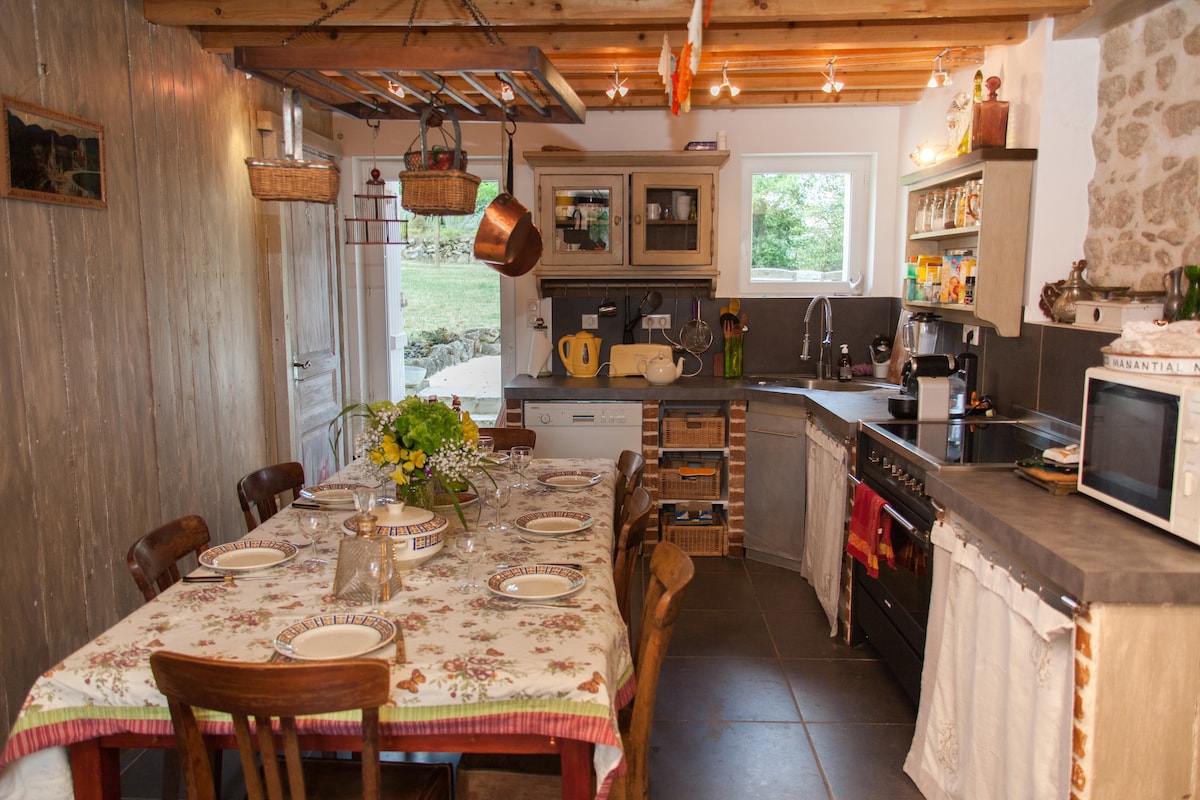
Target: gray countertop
column 1094, row 553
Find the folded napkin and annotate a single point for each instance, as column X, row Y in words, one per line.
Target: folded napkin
column 870, row 530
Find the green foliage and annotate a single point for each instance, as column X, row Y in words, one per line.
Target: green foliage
column 800, row 222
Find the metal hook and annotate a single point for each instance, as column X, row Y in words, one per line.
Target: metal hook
column 512, row 122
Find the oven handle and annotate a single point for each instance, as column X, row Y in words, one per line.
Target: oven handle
column 891, row 512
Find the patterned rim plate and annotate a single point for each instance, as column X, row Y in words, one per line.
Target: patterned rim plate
column 465, row 500
column 536, row 582
column 412, row 521
column 334, row 636
column 331, row 494
column 555, row 523
column 498, row 457
column 570, row 479
column 247, row 555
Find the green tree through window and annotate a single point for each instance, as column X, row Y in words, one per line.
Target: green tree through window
column 799, row 226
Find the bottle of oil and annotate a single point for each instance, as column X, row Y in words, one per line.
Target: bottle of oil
column 845, row 367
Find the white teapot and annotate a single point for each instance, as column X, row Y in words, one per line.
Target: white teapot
column 659, row 370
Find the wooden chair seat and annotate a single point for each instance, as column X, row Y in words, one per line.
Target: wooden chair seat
column 259, row 491
column 262, row 694
column 522, row 777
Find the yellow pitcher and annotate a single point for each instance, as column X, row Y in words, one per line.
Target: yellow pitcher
column 580, row 354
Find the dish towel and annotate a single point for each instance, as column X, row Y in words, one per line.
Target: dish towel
column 870, row 530
column 825, row 519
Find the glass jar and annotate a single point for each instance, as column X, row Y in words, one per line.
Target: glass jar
column 960, row 207
column 948, row 208
column 936, row 210
column 921, row 221
column 974, row 202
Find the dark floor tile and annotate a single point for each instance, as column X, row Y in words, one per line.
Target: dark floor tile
column 805, row 634
column 838, row 690
column 736, row 689
column 763, row 567
column 719, row 565
column 865, row 762
column 784, row 590
column 724, row 760
column 716, row 590
column 720, row 634
column 141, row 774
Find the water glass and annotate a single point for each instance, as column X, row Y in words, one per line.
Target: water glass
column 487, row 445
column 313, row 528
column 520, row 456
column 379, row 575
column 470, row 547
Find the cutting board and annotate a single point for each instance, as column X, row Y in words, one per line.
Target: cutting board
column 1057, row 483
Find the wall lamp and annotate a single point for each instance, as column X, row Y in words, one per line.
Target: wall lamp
column 939, row 77
column 725, row 84
column 832, row 84
column 618, row 85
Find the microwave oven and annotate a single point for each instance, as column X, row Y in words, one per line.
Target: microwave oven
column 1139, row 447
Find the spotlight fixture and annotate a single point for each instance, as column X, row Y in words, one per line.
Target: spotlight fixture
column 940, row 77
column 725, row 84
column 396, row 89
column 506, row 92
column 618, row 85
column 832, row 84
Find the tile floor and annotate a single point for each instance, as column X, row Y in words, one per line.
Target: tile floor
column 755, row 701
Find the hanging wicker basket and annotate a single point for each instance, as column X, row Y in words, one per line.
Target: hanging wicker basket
column 291, row 177
column 443, row 192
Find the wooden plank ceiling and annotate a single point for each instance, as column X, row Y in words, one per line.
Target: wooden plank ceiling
column 562, row 56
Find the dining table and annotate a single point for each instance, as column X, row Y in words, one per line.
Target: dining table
column 473, row 671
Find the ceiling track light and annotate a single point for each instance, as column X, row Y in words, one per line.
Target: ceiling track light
column 940, row 77
column 396, row 89
column 832, row 84
column 506, row 92
column 618, row 85
column 725, row 84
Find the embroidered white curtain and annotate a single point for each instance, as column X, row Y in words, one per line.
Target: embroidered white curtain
column 995, row 714
column 825, row 519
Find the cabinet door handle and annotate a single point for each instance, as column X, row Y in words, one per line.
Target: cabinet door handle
column 772, row 433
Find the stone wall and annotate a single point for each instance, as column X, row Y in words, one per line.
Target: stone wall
column 1144, row 199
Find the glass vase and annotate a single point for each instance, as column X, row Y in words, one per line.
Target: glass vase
column 1191, row 300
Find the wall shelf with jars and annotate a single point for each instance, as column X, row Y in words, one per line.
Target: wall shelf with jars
column 968, row 228
column 627, row 215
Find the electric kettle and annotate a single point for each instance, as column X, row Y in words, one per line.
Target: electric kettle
column 580, row 354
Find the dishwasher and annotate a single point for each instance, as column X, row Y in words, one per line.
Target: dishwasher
column 584, row 428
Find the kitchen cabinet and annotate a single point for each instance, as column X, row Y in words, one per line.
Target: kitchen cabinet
column 998, row 242
column 776, row 450
column 625, row 216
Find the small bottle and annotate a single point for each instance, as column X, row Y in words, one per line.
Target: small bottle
column 845, row 367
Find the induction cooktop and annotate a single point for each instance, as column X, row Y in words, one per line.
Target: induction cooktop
column 979, row 443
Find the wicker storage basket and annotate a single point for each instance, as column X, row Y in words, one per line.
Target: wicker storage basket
column 697, row 540
column 288, row 179
column 701, row 487
column 701, row 427
column 435, row 159
column 441, row 191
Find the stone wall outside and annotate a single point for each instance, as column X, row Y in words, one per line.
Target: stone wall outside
column 1144, row 199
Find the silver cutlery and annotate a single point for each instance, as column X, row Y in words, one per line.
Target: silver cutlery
column 540, row 539
column 227, row 578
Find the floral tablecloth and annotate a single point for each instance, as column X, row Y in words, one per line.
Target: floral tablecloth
column 472, row 663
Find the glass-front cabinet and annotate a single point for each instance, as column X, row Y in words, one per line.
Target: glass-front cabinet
column 672, row 221
column 589, row 216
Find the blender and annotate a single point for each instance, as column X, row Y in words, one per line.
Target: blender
column 920, row 334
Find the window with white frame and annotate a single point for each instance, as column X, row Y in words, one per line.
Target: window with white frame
column 806, row 223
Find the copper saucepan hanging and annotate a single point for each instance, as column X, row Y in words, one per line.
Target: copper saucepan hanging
column 507, row 239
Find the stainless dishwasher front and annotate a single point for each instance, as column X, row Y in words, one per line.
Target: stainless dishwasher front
column 584, row 428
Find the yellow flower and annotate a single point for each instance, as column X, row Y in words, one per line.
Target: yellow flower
column 470, row 429
column 391, row 452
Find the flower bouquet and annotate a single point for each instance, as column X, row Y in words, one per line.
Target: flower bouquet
column 426, row 448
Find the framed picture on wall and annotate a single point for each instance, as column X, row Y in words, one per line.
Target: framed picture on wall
column 51, row 157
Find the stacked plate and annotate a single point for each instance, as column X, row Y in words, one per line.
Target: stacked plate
column 536, row 582
column 570, row 480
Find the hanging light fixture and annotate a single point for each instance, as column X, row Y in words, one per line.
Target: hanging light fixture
column 396, row 89
column 832, row 84
column 618, row 85
column 940, row 77
column 725, row 84
column 507, row 94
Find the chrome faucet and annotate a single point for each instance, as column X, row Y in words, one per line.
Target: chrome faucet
column 825, row 353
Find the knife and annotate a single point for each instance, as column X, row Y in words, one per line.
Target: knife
column 226, row 578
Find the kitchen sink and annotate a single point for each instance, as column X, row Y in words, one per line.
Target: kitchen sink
column 826, row 384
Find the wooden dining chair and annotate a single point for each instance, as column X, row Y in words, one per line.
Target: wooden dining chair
column 153, row 559
column 485, row 776
column 260, row 490
column 630, row 467
column 262, row 693
column 629, row 546
column 507, row 438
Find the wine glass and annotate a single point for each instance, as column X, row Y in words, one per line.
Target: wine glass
column 312, row 530
column 496, row 496
column 470, row 547
column 487, row 446
column 520, row 456
column 379, row 575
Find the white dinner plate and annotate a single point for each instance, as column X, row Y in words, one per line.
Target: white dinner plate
column 536, row 582
column 334, row 636
column 570, row 479
column 247, row 555
column 555, row 523
column 334, row 495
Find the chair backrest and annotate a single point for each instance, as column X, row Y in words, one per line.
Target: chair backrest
column 507, row 438
column 153, row 559
column 629, row 544
column 671, row 570
column 263, row 692
column 630, row 466
column 260, row 490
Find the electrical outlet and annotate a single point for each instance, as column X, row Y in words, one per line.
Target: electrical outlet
column 659, row 322
column 590, row 322
column 971, row 334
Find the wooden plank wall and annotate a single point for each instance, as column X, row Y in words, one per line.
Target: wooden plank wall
column 134, row 341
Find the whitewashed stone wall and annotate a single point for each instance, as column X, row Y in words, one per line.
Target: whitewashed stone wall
column 1144, row 199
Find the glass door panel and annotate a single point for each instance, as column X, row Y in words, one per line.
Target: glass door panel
column 587, row 218
column 673, row 223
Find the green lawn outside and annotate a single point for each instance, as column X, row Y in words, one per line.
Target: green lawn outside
column 453, row 296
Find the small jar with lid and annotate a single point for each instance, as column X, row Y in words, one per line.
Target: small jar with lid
column 921, row 220
column 936, row 211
